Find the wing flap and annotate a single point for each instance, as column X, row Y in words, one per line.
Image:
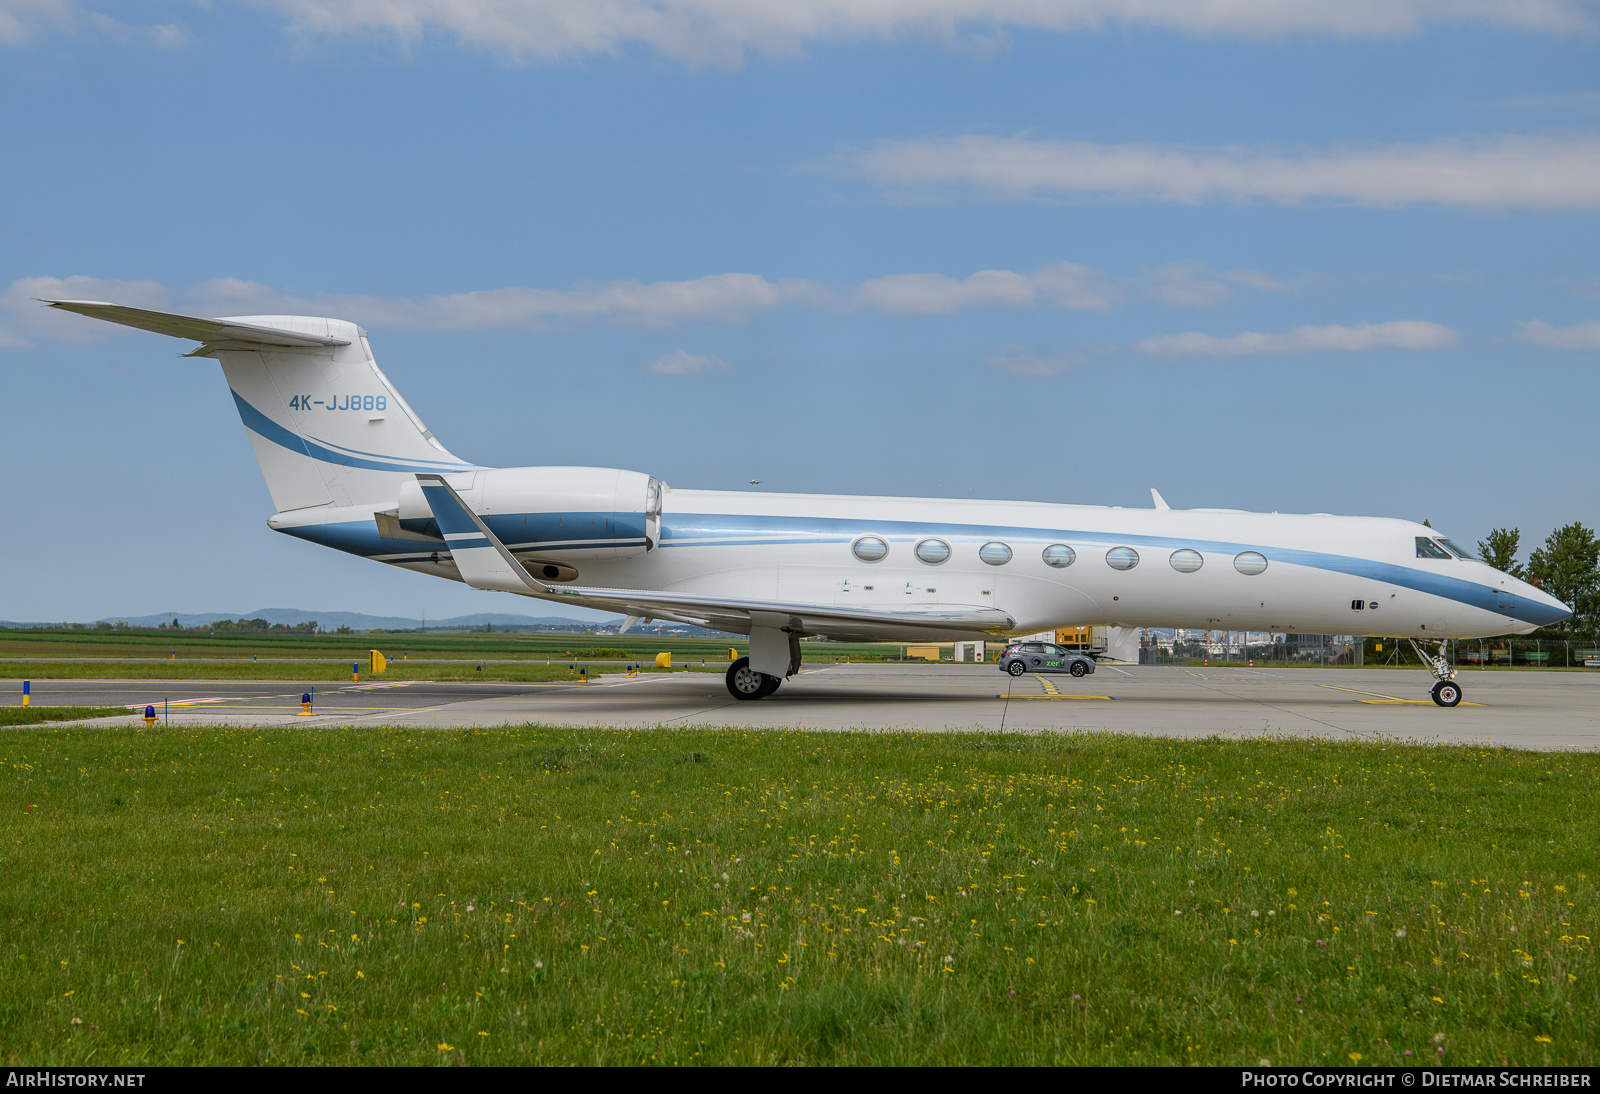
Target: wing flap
column 192, row 327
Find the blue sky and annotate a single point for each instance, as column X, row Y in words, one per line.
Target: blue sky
column 1306, row 256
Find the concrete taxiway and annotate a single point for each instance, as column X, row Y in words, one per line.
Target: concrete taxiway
column 1523, row 709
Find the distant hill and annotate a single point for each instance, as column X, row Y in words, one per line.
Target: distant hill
column 356, row 621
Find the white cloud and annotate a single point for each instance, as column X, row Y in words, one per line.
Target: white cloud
column 680, row 362
column 729, row 297
column 22, row 20
column 1508, row 171
column 722, row 32
column 1023, row 362
column 1192, row 285
column 1062, row 284
column 1585, row 335
column 1401, row 334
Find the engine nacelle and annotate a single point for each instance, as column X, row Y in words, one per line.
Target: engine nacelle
column 559, row 514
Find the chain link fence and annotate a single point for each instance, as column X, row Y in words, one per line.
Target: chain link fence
column 1257, row 649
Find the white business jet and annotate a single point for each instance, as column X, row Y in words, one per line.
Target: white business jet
column 351, row 466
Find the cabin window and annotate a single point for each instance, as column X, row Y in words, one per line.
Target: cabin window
column 1250, row 563
column 1453, row 548
column 1122, row 558
column 933, row 551
column 995, row 554
column 1186, row 561
column 1059, row 555
column 1426, row 548
column 870, row 549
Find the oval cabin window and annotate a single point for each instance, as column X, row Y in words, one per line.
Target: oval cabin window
column 1250, row 563
column 870, row 549
column 933, row 551
column 1186, row 561
column 1059, row 555
column 1122, row 558
column 995, row 554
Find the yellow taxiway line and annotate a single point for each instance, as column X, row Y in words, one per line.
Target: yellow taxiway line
column 1051, row 692
column 1392, row 700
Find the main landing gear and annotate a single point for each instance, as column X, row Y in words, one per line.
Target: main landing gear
column 1447, row 693
column 745, row 682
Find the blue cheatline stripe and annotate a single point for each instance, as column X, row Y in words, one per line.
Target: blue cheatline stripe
column 443, row 467
column 789, row 530
column 467, row 542
column 264, row 427
column 783, row 530
column 451, row 516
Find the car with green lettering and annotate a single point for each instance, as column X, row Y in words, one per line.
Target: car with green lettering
column 1025, row 657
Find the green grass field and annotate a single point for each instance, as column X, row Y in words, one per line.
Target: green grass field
column 533, row 895
column 29, row 645
column 31, row 715
column 313, row 671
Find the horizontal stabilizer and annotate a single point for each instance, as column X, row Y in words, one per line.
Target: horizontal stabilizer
column 189, row 326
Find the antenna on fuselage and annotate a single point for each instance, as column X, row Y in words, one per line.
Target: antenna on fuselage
column 1161, row 502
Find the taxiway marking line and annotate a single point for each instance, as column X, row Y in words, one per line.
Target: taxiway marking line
column 1380, row 700
column 1050, row 687
column 179, row 702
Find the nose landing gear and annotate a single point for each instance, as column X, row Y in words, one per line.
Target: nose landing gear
column 1447, row 693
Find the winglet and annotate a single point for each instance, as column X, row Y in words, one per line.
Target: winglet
column 481, row 559
column 1161, row 502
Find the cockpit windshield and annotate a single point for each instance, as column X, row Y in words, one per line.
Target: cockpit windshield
column 1426, row 548
column 1452, row 547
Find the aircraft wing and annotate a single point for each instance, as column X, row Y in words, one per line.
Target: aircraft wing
column 485, row 563
column 831, row 621
column 192, row 327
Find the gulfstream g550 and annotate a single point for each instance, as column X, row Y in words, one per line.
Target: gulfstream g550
column 351, row 466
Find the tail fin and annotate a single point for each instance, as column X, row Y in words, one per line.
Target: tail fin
column 327, row 426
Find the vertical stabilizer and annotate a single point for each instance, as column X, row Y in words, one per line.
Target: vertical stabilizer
column 327, row 426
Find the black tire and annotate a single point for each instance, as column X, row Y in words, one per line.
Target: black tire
column 745, row 682
column 1017, row 668
column 1447, row 693
column 770, row 686
column 1079, row 669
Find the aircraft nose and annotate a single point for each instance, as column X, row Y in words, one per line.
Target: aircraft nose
column 1554, row 610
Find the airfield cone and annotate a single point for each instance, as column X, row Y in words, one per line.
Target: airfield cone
column 355, row 674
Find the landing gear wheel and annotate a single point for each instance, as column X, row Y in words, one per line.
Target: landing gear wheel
column 1017, row 668
column 1447, row 693
column 1079, row 669
column 745, row 682
column 770, row 685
